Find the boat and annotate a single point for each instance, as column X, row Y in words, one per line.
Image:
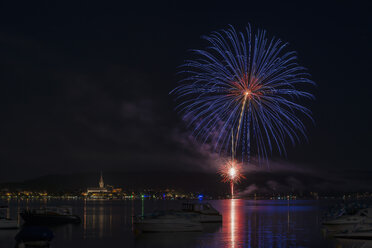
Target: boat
column 205, row 212
column 6, row 223
column 50, row 215
column 170, row 221
column 348, row 222
column 34, row 236
column 361, row 231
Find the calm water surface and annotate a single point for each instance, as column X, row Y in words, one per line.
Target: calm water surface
column 246, row 223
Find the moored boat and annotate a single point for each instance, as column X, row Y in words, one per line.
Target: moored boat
column 361, row 231
column 50, row 215
column 6, row 223
column 348, row 222
column 205, row 212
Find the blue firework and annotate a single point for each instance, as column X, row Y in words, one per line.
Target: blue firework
column 242, row 93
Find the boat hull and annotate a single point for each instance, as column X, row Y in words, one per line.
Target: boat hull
column 210, row 218
column 8, row 224
column 204, row 211
column 49, row 219
column 359, row 236
column 339, row 228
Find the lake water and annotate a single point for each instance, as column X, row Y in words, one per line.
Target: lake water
column 246, row 223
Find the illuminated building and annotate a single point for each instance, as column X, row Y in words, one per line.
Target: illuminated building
column 101, row 189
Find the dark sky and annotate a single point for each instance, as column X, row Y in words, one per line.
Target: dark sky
column 85, row 86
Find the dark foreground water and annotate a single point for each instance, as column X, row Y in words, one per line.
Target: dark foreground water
column 246, row 223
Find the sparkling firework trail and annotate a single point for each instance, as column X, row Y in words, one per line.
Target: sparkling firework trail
column 248, row 84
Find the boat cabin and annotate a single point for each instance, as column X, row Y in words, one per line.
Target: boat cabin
column 199, row 208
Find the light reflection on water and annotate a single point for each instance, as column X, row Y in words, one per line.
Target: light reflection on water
column 246, row 223
column 232, row 223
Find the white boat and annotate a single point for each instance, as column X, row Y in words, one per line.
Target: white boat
column 166, row 222
column 362, row 232
column 205, row 212
column 347, row 222
column 7, row 223
column 50, row 215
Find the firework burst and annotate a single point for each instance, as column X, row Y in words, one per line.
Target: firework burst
column 247, row 84
column 231, row 173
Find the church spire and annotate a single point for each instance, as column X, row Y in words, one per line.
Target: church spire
column 101, row 183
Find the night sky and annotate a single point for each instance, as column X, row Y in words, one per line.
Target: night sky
column 85, row 86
